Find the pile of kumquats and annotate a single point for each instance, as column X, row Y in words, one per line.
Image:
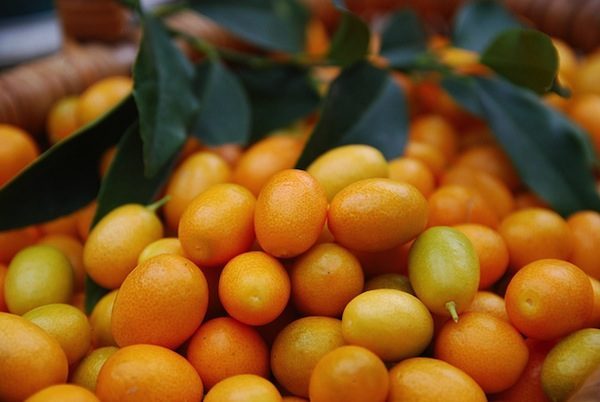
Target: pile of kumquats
column 436, row 276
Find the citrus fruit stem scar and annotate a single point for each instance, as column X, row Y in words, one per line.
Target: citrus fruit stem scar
column 451, row 307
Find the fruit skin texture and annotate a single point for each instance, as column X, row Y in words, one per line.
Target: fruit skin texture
column 102, row 96
column 148, row 373
column 349, row 374
column 442, row 268
column 31, row 359
column 243, row 388
column 426, row 379
column 390, row 323
column 73, row 250
column 487, row 348
column 325, row 279
column 100, row 320
column 37, row 275
column 585, row 226
column 166, row 245
column 17, row 151
column 162, row 302
column 570, row 362
column 114, row 244
column 195, row 174
column 67, row 324
column 342, row 166
column 254, row 288
column 224, row 347
column 299, row 347
column 549, row 298
column 413, row 171
column 63, row 393
column 535, row 233
column 290, row 213
column 377, row 215
column 86, row 372
column 218, row 224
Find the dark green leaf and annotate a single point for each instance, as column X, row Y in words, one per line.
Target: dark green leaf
column 350, row 43
column 65, row 178
column 525, row 57
column 124, row 183
column 364, row 106
column 163, row 93
column 553, row 156
column 278, row 96
column 477, row 22
column 224, row 113
column 403, row 39
column 271, row 24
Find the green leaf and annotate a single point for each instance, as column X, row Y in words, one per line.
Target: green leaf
column 350, row 43
column 125, row 183
column 403, row 40
column 477, row 22
column 225, row 112
column 279, row 96
column 553, row 156
column 525, row 57
column 364, row 106
column 271, row 24
column 65, row 178
column 163, row 93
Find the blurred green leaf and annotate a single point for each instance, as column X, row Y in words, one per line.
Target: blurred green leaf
column 224, row 115
column 279, row 96
column 364, row 106
column 403, row 39
column 350, row 43
column 271, row 24
column 525, row 57
column 163, row 94
column 478, row 22
column 125, row 183
column 553, row 156
column 65, row 178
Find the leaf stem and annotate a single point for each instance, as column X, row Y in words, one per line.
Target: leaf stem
column 157, row 204
column 451, row 307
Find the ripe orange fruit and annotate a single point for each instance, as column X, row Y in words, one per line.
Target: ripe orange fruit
column 218, row 224
column 65, row 225
column 67, row 324
column 101, row 97
column 265, row 158
column 13, row 241
column 568, row 63
column 586, row 80
column 31, row 359
column 72, row 248
column 452, row 205
column 290, row 213
column 392, row 324
column 428, row 154
column 491, row 159
column 179, row 295
column 426, row 379
column 413, row 171
column 584, row 111
column 37, row 275
column 480, row 345
column 436, row 131
column 254, row 288
column 147, row 373
column 63, row 393
column 196, row 173
column 114, row 244
column 224, row 347
column 390, row 281
column 325, row 279
column 3, row 272
column 535, row 233
column 100, row 320
column 543, row 293
column 342, row 166
column 299, row 347
column 16, row 152
column 166, row 245
column 377, row 214
column 585, row 227
column 488, row 302
column 349, row 374
column 529, row 386
column 62, row 119
column 86, row 372
column 594, row 320
column 491, row 252
column 243, row 388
